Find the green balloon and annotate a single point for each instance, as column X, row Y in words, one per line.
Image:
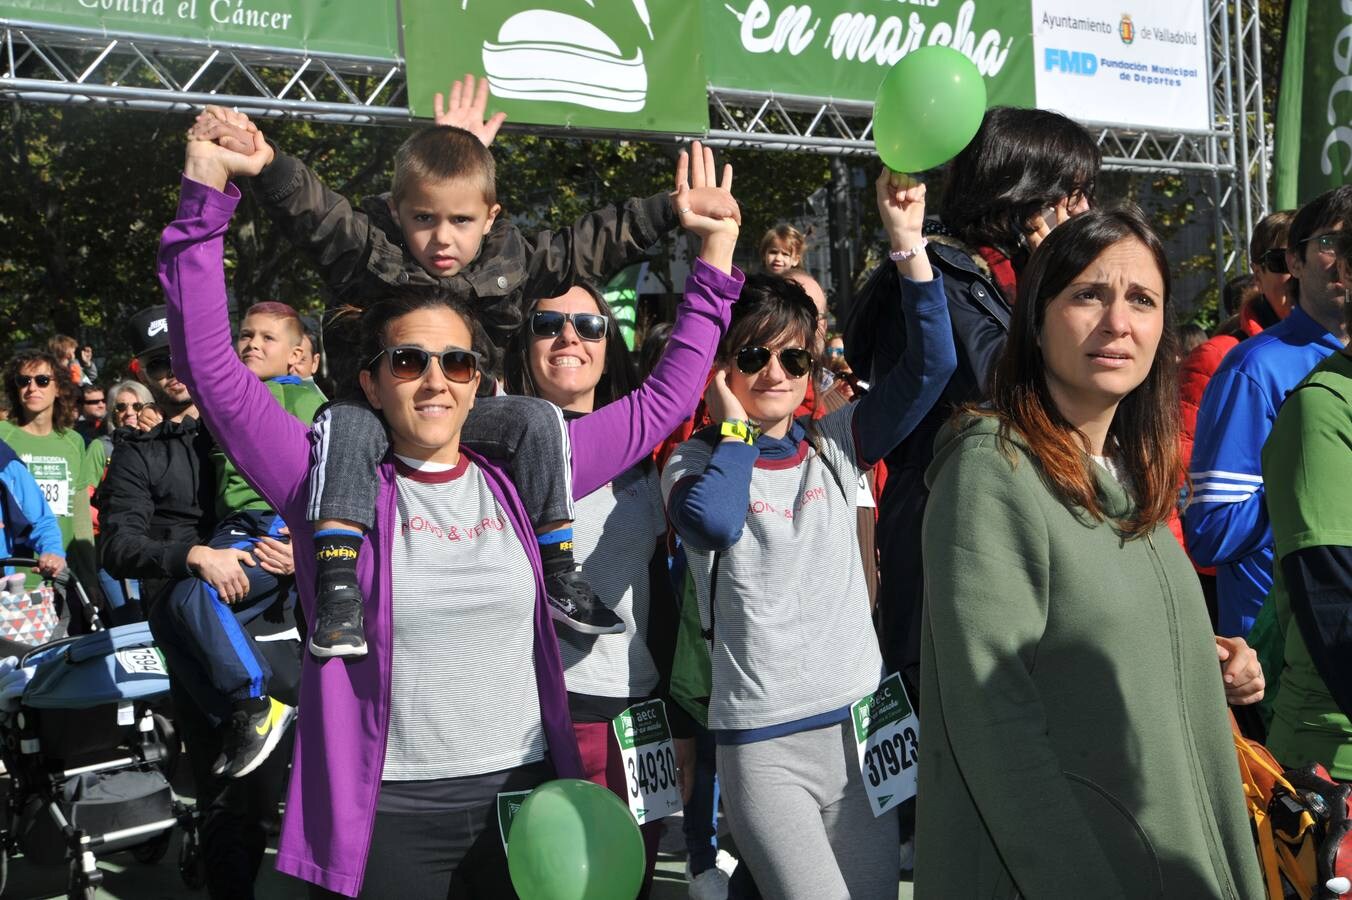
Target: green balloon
column 575, row 840
column 929, row 106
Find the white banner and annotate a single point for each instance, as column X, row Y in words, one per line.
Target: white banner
column 1135, row 62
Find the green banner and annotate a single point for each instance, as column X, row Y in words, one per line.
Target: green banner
column 355, row 27
column 618, row 65
column 842, row 48
column 1314, row 107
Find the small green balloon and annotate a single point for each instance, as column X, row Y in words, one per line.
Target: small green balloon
column 575, row 840
column 929, row 106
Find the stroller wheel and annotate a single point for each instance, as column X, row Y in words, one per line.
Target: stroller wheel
column 153, row 850
column 79, row 890
column 190, row 863
column 168, row 735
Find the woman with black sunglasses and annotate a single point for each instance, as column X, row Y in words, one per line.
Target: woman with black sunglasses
column 401, row 754
column 766, row 506
column 41, row 432
column 569, row 351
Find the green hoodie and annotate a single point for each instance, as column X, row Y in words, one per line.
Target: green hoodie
column 1074, row 738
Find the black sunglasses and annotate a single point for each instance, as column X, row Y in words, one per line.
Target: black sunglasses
column 589, row 326
column 1273, row 260
column 95, row 401
column 408, row 363
column 158, row 367
column 796, row 361
column 24, row 380
column 122, row 407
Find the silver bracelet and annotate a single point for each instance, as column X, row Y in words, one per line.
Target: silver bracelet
column 902, row 255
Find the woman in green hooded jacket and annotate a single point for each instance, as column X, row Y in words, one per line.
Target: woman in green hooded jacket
column 1074, row 739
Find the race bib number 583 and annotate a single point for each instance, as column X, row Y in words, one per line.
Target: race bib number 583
column 886, row 732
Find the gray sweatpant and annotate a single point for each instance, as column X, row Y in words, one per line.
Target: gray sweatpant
column 348, row 442
column 802, row 821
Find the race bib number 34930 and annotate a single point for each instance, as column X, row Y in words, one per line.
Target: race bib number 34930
column 887, row 734
column 654, row 791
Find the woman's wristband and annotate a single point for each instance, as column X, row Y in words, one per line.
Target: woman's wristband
column 741, row 429
column 902, row 255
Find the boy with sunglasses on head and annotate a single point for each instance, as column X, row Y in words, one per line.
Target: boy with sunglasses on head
column 440, row 226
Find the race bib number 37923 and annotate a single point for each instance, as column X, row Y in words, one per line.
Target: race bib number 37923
column 649, row 756
column 887, row 734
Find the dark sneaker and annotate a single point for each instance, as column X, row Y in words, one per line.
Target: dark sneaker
column 338, row 627
column 573, row 603
column 252, row 737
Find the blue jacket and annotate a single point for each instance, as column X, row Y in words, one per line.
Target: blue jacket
column 1226, row 524
column 26, row 521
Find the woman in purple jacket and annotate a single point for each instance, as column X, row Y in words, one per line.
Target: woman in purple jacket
column 400, row 756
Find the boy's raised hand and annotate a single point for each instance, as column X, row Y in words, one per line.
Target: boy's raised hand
column 466, row 110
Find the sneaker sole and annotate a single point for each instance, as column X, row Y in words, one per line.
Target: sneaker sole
column 274, row 738
column 575, row 625
column 332, row 652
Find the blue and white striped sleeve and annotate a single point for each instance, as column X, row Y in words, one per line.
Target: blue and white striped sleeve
column 1226, row 519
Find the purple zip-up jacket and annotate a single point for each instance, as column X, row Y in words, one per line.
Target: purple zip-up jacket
column 344, row 721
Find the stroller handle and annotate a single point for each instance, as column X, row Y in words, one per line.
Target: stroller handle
column 68, row 583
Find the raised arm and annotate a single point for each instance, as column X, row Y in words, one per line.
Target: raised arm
column 610, row 440
column 267, row 444
column 905, row 394
column 603, row 242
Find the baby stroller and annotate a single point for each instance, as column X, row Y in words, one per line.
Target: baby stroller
column 87, row 756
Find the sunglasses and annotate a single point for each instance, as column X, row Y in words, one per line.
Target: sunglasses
column 796, row 361
column 158, row 367
column 408, row 363
column 589, row 326
column 835, row 351
column 95, row 401
column 123, row 407
column 1273, row 260
column 24, row 381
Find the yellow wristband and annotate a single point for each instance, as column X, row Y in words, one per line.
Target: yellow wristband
column 739, row 428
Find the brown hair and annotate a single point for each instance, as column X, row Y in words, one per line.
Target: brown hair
column 63, row 407
column 785, row 234
column 1145, row 426
column 1271, row 231
column 443, row 153
column 60, row 345
column 276, row 310
column 619, row 378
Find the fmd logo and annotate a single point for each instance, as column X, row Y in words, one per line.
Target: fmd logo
column 1071, row 62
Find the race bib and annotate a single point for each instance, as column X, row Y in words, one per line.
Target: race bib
column 509, row 804
column 654, row 791
column 142, row 661
column 53, row 478
column 886, row 731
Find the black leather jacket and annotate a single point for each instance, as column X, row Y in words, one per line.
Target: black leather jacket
column 874, row 339
column 156, row 502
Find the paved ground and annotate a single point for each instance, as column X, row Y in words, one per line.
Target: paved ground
column 126, row 879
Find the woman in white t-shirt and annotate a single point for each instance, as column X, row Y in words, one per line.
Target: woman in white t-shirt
column 766, row 507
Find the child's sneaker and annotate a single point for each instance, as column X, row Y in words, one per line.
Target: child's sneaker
column 254, row 731
column 574, row 604
column 338, row 628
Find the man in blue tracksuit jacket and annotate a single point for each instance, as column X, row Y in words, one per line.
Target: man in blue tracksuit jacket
column 26, row 521
column 1226, row 522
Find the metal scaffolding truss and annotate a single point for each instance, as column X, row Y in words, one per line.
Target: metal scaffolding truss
column 51, row 64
